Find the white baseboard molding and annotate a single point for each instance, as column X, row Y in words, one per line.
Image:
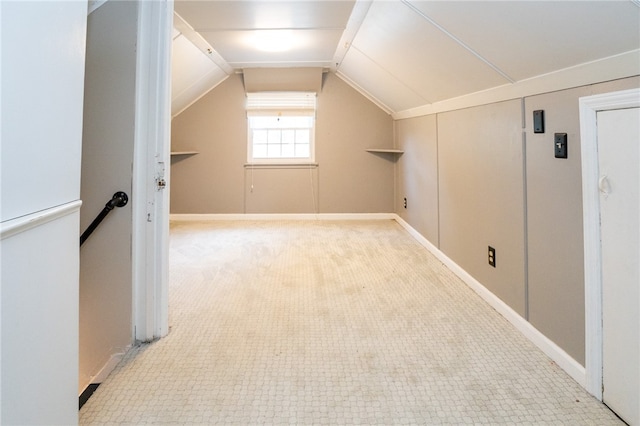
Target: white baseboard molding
column 553, row 351
column 279, row 216
column 106, row 369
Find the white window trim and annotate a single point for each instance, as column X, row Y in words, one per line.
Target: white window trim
column 283, row 104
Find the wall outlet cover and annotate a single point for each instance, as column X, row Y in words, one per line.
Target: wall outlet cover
column 492, row 256
column 538, row 121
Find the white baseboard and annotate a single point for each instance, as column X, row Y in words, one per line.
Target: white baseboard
column 106, row 369
column 114, row 360
column 278, row 216
column 553, row 351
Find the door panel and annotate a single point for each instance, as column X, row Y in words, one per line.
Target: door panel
column 619, row 156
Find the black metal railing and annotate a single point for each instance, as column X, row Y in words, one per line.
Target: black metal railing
column 119, row 199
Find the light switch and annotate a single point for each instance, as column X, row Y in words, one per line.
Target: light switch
column 560, row 145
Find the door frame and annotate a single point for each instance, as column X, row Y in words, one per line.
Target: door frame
column 150, row 239
column 589, row 107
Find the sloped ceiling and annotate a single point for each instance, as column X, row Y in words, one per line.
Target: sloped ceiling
column 408, row 55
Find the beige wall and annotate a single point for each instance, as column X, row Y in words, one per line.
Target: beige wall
column 107, row 158
column 347, row 179
column 491, row 188
column 481, row 196
column 554, row 217
column 417, row 175
column 213, row 180
column 264, row 194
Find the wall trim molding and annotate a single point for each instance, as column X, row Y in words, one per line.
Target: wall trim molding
column 280, row 216
column 151, row 159
column 553, row 351
column 623, row 65
column 24, row 223
column 589, row 107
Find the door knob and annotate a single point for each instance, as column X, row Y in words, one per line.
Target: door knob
column 604, row 186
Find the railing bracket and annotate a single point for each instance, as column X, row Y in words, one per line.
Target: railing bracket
column 119, row 199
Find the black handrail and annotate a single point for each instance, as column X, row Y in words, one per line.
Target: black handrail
column 119, row 199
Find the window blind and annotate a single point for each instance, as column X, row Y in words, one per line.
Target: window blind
column 281, row 103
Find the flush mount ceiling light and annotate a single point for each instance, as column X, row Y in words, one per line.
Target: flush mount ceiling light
column 272, row 40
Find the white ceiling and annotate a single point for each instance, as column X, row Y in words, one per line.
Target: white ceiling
column 230, row 27
column 403, row 54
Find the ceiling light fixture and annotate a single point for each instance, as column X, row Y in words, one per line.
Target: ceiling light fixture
column 273, row 40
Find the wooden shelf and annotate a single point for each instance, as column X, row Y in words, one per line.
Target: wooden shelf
column 386, row 150
column 184, row 152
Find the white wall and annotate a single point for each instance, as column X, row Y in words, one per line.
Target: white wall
column 40, row 319
column 43, row 53
column 42, row 73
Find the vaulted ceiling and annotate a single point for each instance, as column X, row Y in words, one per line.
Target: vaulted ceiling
column 407, row 54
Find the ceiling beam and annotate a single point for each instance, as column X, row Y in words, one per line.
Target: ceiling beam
column 358, row 14
column 194, row 37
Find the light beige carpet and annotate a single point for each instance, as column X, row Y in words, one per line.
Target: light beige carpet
column 317, row 322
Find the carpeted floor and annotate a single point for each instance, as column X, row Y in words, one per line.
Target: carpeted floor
column 319, row 322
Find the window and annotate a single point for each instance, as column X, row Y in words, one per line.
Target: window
column 281, row 127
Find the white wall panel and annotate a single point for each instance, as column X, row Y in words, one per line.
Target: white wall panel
column 378, row 83
column 529, row 38
column 196, row 90
column 43, row 56
column 609, row 69
column 188, row 66
column 42, row 87
column 417, row 53
column 192, row 74
column 39, row 277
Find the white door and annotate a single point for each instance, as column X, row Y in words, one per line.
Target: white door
column 619, row 182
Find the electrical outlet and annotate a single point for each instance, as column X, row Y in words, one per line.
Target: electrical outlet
column 405, row 202
column 492, row 256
